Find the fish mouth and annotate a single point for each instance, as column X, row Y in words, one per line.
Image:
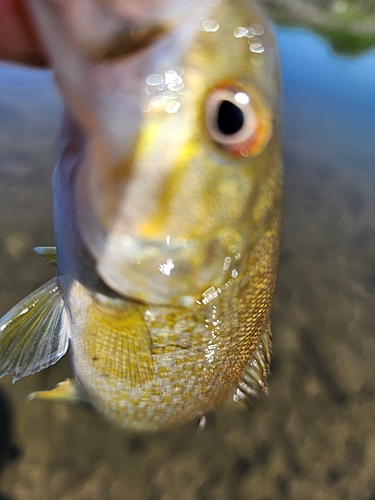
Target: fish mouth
column 183, row 272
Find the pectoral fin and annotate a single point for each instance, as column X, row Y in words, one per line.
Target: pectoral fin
column 118, row 343
column 35, row 333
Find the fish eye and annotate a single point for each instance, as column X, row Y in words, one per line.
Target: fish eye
column 238, row 120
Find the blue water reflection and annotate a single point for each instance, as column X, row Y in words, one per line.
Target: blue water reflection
column 324, row 72
column 329, row 96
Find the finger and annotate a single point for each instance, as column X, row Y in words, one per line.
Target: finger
column 19, row 41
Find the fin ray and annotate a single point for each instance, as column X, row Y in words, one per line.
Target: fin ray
column 34, row 334
column 253, row 382
column 119, row 344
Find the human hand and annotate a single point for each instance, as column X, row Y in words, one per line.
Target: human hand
column 19, row 40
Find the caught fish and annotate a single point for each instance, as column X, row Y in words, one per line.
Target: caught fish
column 167, row 198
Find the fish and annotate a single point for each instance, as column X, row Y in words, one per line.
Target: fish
column 167, row 210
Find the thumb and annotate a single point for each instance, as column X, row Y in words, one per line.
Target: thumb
column 19, row 40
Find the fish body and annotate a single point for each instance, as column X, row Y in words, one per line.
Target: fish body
column 167, row 216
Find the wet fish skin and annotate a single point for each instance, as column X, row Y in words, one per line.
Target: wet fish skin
column 149, row 364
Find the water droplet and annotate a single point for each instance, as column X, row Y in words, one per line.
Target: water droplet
column 227, row 263
column 256, row 47
column 256, row 29
column 241, row 32
column 155, row 79
column 176, row 86
column 210, row 294
column 171, row 76
column 172, row 107
column 167, row 267
column 208, row 291
column 178, row 69
column 145, row 106
column 209, row 25
column 158, row 100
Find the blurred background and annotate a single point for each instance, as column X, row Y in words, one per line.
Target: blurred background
column 314, row 437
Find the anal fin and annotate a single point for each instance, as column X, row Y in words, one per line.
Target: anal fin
column 253, row 381
column 68, row 391
column 35, row 333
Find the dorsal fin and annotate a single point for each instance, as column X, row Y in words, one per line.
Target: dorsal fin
column 35, row 333
column 118, row 343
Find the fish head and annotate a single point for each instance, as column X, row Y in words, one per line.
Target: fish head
column 182, row 147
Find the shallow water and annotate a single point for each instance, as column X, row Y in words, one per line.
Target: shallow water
column 314, row 437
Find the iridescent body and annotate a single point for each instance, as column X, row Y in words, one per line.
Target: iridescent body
column 167, row 240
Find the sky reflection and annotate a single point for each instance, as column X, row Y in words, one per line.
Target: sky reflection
column 333, row 95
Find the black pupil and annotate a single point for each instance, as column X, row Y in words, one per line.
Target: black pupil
column 230, row 118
